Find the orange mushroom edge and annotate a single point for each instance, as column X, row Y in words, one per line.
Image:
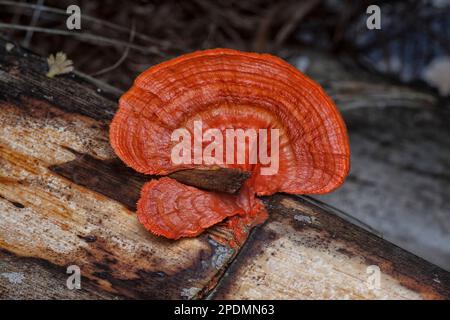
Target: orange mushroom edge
column 201, row 102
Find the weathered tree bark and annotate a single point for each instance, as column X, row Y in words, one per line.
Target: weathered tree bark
column 65, row 199
column 220, row 179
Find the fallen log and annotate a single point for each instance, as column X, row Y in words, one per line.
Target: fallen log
column 65, row 199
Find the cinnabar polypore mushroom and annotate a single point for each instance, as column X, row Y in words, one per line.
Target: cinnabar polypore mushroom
column 227, row 89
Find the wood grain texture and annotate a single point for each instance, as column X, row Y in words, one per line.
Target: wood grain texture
column 46, row 216
column 353, row 88
column 65, row 199
column 49, row 217
column 227, row 180
column 305, row 252
column 33, row 278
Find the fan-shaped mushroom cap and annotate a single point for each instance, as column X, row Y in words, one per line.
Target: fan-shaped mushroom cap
column 172, row 209
column 231, row 89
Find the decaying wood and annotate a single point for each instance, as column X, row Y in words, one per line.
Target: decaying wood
column 399, row 180
column 220, row 179
column 28, row 277
column 305, row 252
column 80, row 219
column 115, row 180
column 46, row 216
column 352, row 88
column 66, row 199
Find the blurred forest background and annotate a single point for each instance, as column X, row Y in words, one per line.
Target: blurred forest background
column 392, row 85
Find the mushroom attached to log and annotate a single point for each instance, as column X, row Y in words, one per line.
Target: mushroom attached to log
column 210, row 94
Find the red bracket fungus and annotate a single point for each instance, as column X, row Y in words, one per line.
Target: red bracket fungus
column 227, row 89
